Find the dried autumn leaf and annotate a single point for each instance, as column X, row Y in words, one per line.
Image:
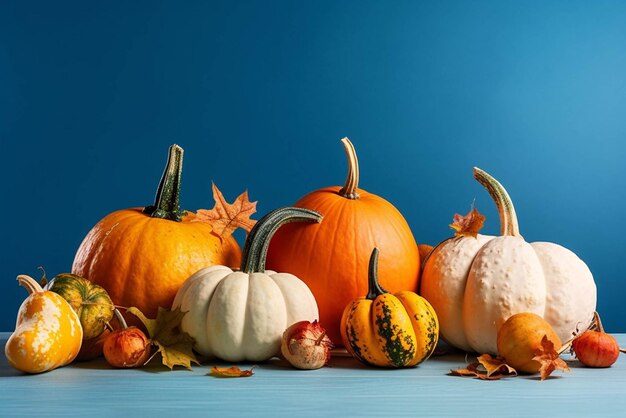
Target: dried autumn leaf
column 175, row 346
column 226, row 217
column 470, row 371
column 549, row 359
column 233, row 371
column 468, row 225
column 496, row 366
column 487, row 368
column 473, row 370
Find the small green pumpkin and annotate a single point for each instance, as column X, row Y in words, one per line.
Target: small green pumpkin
column 90, row 301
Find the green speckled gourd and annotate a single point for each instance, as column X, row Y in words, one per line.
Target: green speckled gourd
column 389, row 330
column 90, row 301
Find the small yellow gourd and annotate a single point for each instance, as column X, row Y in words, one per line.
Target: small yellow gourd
column 47, row 333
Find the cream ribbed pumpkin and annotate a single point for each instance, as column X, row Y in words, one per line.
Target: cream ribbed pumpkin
column 476, row 283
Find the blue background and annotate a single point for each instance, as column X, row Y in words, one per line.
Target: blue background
column 260, row 93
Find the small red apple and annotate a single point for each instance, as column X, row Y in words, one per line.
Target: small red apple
column 305, row 345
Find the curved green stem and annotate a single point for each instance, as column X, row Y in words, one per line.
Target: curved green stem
column 508, row 218
column 258, row 241
column 374, row 288
column 166, row 202
column 350, row 188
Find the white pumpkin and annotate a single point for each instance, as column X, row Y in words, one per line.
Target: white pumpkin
column 475, row 283
column 241, row 315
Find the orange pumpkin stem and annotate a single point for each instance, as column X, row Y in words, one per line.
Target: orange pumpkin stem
column 374, row 287
column 508, row 218
column 350, row 189
column 29, row 283
column 258, row 240
column 166, row 202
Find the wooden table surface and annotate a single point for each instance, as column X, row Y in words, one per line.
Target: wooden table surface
column 346, row 388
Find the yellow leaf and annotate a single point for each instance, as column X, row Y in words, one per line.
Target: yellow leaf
column 226, row 217
column 175, row 346
column 232, row 371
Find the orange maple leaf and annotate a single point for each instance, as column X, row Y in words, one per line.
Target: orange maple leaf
column 232, row 371
column 468, row 225
column 549, row 358
column 226, row 217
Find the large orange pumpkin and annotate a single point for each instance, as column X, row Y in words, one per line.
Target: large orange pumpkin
column 142, row 256
column 329, row 256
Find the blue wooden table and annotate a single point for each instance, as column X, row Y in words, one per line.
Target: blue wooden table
column 347, row 388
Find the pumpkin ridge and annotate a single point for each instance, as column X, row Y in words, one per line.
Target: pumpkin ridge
column 139, row 230
column 391, row 335
column 246, row 315
column 353, row 337
column 105, row 242
column 424, row 323
column 323, row 207
column 316, row 237
column 354, row 239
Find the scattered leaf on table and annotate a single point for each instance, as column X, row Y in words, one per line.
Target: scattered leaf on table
column 233, row 371
column 496, row 365
column 486, row 368
column 468, row 225
column 549, row 359
column 226, row 217
column 470, row 371
column 175, row 346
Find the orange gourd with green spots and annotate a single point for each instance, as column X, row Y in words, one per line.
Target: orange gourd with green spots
column 47, row 332
column 389, row 330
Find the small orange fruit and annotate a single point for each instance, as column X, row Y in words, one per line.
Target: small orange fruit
column 519, row 339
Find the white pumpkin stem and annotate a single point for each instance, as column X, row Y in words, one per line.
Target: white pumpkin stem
column 258, row 241
column 349, row 190
column 29, row 283
column 508, row 218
